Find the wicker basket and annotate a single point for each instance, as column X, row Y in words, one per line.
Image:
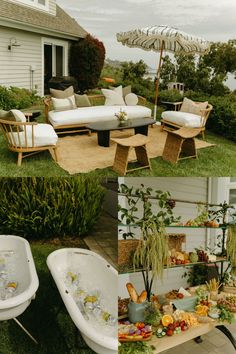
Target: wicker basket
column 126, row 249
column 175, row 241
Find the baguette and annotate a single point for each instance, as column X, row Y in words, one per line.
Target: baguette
column 132, row 292
column 142, row 297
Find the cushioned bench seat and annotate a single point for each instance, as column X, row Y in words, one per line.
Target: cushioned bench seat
column 86, row 115
column 182, row 119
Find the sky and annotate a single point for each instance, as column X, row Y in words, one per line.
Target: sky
column 213, row 20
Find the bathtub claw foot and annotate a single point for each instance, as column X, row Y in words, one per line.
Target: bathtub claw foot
column 25, row 330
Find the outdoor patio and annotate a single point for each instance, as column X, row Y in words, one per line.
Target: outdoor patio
column 216, row 161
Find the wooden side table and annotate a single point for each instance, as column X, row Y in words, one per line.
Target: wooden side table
column 31, row 115
column 137, row 142
column 181, row 141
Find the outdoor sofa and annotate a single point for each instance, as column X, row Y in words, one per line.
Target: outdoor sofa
column 76, row 119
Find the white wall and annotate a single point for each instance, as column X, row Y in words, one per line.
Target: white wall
column 15, row 64
column 195, row 189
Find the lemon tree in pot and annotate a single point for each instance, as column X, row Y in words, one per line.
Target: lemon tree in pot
column 152, row 212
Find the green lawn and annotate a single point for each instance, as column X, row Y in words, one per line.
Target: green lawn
column 55, row 333
column 214, row 161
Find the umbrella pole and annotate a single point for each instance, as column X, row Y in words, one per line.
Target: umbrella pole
column 158, row 78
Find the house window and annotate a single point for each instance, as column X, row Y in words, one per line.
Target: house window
column 40, row 4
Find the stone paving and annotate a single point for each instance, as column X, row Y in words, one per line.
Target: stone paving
column 103, row 238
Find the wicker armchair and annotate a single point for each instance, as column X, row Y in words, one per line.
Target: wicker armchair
column 170, row 119
column 28, row 138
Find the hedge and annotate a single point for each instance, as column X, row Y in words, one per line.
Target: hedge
column 16, row 98
column 38, row 208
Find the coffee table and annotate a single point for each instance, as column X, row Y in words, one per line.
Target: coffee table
column 103, row 128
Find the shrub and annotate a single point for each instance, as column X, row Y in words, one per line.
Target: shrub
column 86, row 62
column 16, row 98
column 49, row 207
column 170, row 96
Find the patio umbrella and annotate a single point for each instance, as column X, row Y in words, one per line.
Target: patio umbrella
column 160, row 39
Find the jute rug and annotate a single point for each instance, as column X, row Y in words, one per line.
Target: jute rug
column 81, row 153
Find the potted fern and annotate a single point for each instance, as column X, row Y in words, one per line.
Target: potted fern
column 151, row 254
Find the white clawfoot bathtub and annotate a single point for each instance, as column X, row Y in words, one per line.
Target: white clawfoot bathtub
column 24, row 273
column 99, row 274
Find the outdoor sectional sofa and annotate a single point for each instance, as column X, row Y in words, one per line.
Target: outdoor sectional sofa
column 77, row 119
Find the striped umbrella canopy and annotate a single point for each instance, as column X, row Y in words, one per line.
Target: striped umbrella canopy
column 160, row 39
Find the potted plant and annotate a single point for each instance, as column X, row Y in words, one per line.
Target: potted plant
column 152, row 252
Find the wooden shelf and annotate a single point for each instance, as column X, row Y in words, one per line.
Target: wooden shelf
column 131, row 270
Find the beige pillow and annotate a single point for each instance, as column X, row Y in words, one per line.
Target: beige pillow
column 19, row 117
column 131, row 99
column 7, row 115
column 62, row 94
column 82, row 101
column 113, row 97
column 190, row 106
column 63, row 104
column 126, row 90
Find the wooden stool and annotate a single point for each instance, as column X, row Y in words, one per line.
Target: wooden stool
column 180, row 141
column 138, row 142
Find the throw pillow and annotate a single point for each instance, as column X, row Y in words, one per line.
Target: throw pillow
column 63, row 104
column 62, row 94
column 131, row 99
column 126, row 90
column 113, row 98
column 19, row 116
column 7, row 115
column 190, row 106
column 82, row 101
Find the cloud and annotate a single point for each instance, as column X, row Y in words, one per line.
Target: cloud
column 210, row 19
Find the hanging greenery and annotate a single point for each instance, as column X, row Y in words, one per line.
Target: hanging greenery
column 231, row 247
column 151, row 254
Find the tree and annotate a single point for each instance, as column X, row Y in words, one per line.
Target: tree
column 86, row 62
column 168, row 72
column 134, row 71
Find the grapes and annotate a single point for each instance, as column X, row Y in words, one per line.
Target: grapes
column 170, row 203
column 202, row 256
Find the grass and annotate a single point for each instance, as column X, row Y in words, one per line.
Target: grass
column 56, row 334
column 214, row 161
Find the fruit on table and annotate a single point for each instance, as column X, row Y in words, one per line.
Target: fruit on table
column 193, row 257
column 201, row 310
column 166, row 320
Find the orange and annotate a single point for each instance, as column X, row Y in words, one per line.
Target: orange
column 166, row 320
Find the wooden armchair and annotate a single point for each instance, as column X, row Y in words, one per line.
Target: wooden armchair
column 176, row 119
column 28, row 138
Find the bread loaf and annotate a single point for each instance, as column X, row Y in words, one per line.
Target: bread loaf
column 142, row 297
column 132, row 292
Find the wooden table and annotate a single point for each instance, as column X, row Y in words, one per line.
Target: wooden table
column 166, row 342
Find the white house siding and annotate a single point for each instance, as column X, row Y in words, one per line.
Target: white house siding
column 52, row 7
column 15, row 64
column 195, row 189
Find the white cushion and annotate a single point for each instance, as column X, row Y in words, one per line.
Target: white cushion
column 62, row 104
column 131, row 99
column 113, row 97
column 190, row 106
column 44, row 135
column 85, row 115
column 19, row 116
column 182, row 118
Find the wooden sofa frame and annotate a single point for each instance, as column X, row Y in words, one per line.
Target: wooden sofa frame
column 166, row 125
column 74, row 128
